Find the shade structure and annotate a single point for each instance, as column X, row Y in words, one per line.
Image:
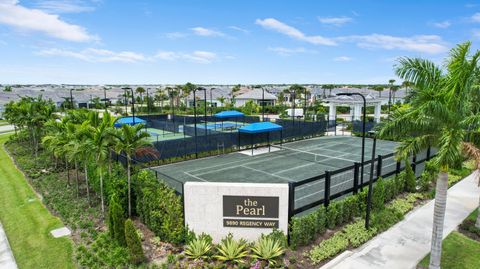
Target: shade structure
column 229, row 114
column 129, row 121
column 260, row 127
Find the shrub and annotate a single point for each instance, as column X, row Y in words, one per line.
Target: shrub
column 332, row 215
column 116, row 221
column 410, row 180
column 378, row 195
column 133, row 243
column 278, row 236
column 230, row 250
column 267, row 249
column 159, row 208
column 304, row 229
column 357, row 234
column 386, row 218
column 199, row 248
column 328, row 248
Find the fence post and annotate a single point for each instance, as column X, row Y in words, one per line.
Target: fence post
column 379, row 166
column 429, row 153
column 356, row 169
column 397, row 170
column 414, row 163
column 326, row 191
column 291, row 206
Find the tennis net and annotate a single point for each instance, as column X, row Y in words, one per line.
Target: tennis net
column 336, row 162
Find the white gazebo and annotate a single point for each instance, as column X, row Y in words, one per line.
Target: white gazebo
column 355, row 103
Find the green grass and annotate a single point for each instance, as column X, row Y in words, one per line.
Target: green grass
column 28, row 223
column 458, row 252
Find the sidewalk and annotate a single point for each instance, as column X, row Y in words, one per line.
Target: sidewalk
column 406, row 243
column 7, row 261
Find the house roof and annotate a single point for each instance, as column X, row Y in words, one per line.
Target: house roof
column 256, row 94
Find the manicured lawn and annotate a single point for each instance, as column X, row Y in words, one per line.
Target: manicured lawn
column 28, row 223
column 459, row 252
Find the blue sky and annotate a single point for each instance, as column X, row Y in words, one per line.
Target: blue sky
column 235, row 41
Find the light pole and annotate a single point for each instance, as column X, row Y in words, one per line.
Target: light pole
column 71, row 99
column 133, row 103
column 363, row 129
column 195, row 115
column 105, row 97
column 263, row 104
column 370, row 182
column 211, row 102
column 125, row 100
column 148, row 104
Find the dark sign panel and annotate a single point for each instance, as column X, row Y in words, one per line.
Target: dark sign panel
column 250, row 206
column 250, row 223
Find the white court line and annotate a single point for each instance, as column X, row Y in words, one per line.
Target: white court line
column 263, row 172
column 312, row 163
column 196, row 177
column 305, row 196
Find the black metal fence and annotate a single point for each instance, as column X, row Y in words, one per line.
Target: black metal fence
column 348, row 180
column 197, row 141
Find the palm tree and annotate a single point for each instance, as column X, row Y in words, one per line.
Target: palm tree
column 379, row 89
column 132, row 140
column 141, row 91
column 440, row 115
column 221, row 99
column 390, row 81
column 187, row 89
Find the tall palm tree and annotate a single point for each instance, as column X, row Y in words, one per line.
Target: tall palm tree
column 132, row 140
column 140, row 91
column 439, row 115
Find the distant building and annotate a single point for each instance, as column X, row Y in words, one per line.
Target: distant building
column 258, row 96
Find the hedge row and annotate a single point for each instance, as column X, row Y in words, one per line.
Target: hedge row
column 305, row 229
column 160, row 208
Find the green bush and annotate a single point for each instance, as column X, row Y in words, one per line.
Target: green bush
column 410, row 179
column 328, row 248
column 160, row 208
column 378, row 195
column 133, row 243
column 386, row 218
column 116, row 221
column 357, row 234
column 332, row 215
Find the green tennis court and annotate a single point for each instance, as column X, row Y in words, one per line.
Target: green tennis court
column 161, row 135
column 294, row 161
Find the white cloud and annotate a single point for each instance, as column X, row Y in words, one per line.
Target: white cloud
column 476, row 17
column 431, row 44
column 26, row 19
column 290, row 51
column 175, row 35
column 280, row 27
column 476, row 33
column 64, row 6
column 201, row 31
column 202, row 57
column 442, row 24
column 335, row 21
column 342, row 59
column 239, row 29
column 96, row 55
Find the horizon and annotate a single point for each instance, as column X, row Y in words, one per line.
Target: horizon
column 98, row 42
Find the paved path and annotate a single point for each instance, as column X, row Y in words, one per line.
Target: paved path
column 406, row 243
column 7, row 261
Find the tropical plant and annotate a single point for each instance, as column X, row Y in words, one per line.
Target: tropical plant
column 116, row 221
column 132, row 140
column 199, row 248
column 133, row 243
column 267, row 249
column 231, row 250
column 439, row 115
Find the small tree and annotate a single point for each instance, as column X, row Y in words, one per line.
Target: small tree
column 133, row 243
column 410, row 180
column 116, row 221
column 378, row 195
